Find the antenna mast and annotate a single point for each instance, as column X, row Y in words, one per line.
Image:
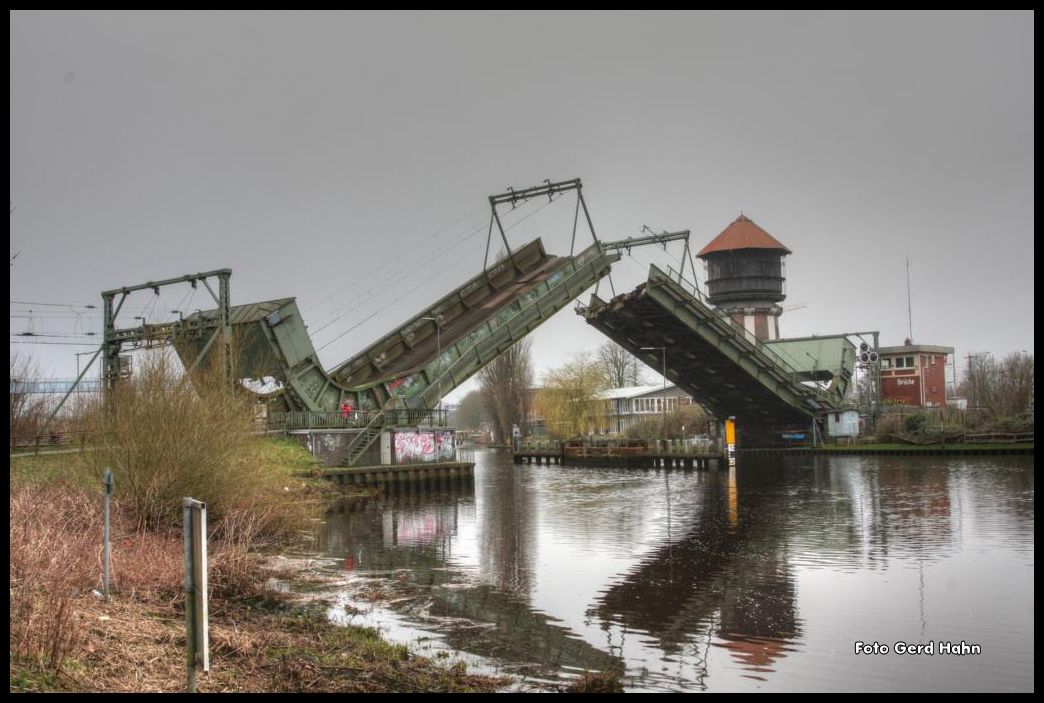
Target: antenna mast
column 909, row 308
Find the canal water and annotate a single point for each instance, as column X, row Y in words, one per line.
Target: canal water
column 759, row 578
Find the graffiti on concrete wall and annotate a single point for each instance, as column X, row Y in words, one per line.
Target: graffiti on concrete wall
column 444, row 444
column 414, row 446
column 429, row 445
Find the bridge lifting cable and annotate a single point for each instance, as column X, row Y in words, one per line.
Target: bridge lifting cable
column 661, row 238
column 549, row 189
column 423, row 256
column 365, row 296
column 422, row 283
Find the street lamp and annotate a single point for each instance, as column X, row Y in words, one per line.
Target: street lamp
column 438, row 354
column 664, row 400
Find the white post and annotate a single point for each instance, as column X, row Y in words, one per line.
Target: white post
column 197, row 640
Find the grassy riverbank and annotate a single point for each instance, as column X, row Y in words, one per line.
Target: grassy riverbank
column 65, row 638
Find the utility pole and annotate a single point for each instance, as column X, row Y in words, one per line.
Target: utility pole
column 663, row 402
column 909, row 307
column 438, row 356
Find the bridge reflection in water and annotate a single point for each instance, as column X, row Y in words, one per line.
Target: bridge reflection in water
column 712, row 580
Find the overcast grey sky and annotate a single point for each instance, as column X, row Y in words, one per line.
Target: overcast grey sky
column 345, row 159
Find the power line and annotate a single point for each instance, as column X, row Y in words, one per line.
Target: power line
column 67, row 344
column 434, row 235
column 370, row 292
column 423, row 282
column 42, row 334
column 366, row 295
column 71, row 305
column 424, row 256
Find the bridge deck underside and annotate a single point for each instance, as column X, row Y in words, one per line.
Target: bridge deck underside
column 695, row 361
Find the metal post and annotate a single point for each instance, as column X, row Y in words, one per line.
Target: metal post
column 664, row 399
column 438, row 359
column 730, row 440
column 79, row 377
column 503, row 236
column 197, row 649
column 110, row 486
column 110, row 363
column 225, row 311
column 190, row 615
column 437, row 319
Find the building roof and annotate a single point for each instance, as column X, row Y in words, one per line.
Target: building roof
column 632, row 391
column 240, row 314
column 914, row 349
column 742, row 234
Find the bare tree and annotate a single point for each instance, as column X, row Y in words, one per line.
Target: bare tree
column 505, row 386
column 977, row 384
column 1003, row 390
column 470, row 412
column 1014, row 385
column 28, row 409
column 619, row 366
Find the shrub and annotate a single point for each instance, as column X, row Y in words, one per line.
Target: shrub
column 915, row 422
column 166, row 438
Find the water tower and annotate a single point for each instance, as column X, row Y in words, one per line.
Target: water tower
column 745, row 276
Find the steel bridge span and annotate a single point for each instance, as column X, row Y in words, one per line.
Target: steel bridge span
column 442, row 346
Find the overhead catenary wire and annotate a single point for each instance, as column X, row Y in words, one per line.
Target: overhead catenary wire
column 401, row 262
column 426, row 256
column 421, row 283
column 62, row 305
column 356, row 290
column 67, row 344
column 434, row 235
column 445, row 251
column 352, row 305
column 44, row 334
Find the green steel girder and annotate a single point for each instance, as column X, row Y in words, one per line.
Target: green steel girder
column 708, row 355
column 582, row 272
column 276, row 342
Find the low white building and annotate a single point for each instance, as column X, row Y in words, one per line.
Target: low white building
column 844, row 423
column 625, row 406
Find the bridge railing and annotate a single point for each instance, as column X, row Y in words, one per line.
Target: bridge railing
column 741, row 334
column 398, row 417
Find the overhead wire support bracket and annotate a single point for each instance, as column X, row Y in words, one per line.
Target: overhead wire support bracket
column 113, row 339
column 514, row 197
column 662, row 238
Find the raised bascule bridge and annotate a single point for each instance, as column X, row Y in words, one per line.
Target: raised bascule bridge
column 399, row 379
column 770, row 386
column 723, row 348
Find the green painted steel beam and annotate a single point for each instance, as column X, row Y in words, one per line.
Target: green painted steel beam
column 729, row 379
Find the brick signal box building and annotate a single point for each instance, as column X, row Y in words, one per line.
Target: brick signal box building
column 914, row 374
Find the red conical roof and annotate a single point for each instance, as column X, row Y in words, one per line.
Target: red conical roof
column 742, row 234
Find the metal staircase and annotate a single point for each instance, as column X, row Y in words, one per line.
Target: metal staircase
column 365, row 439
